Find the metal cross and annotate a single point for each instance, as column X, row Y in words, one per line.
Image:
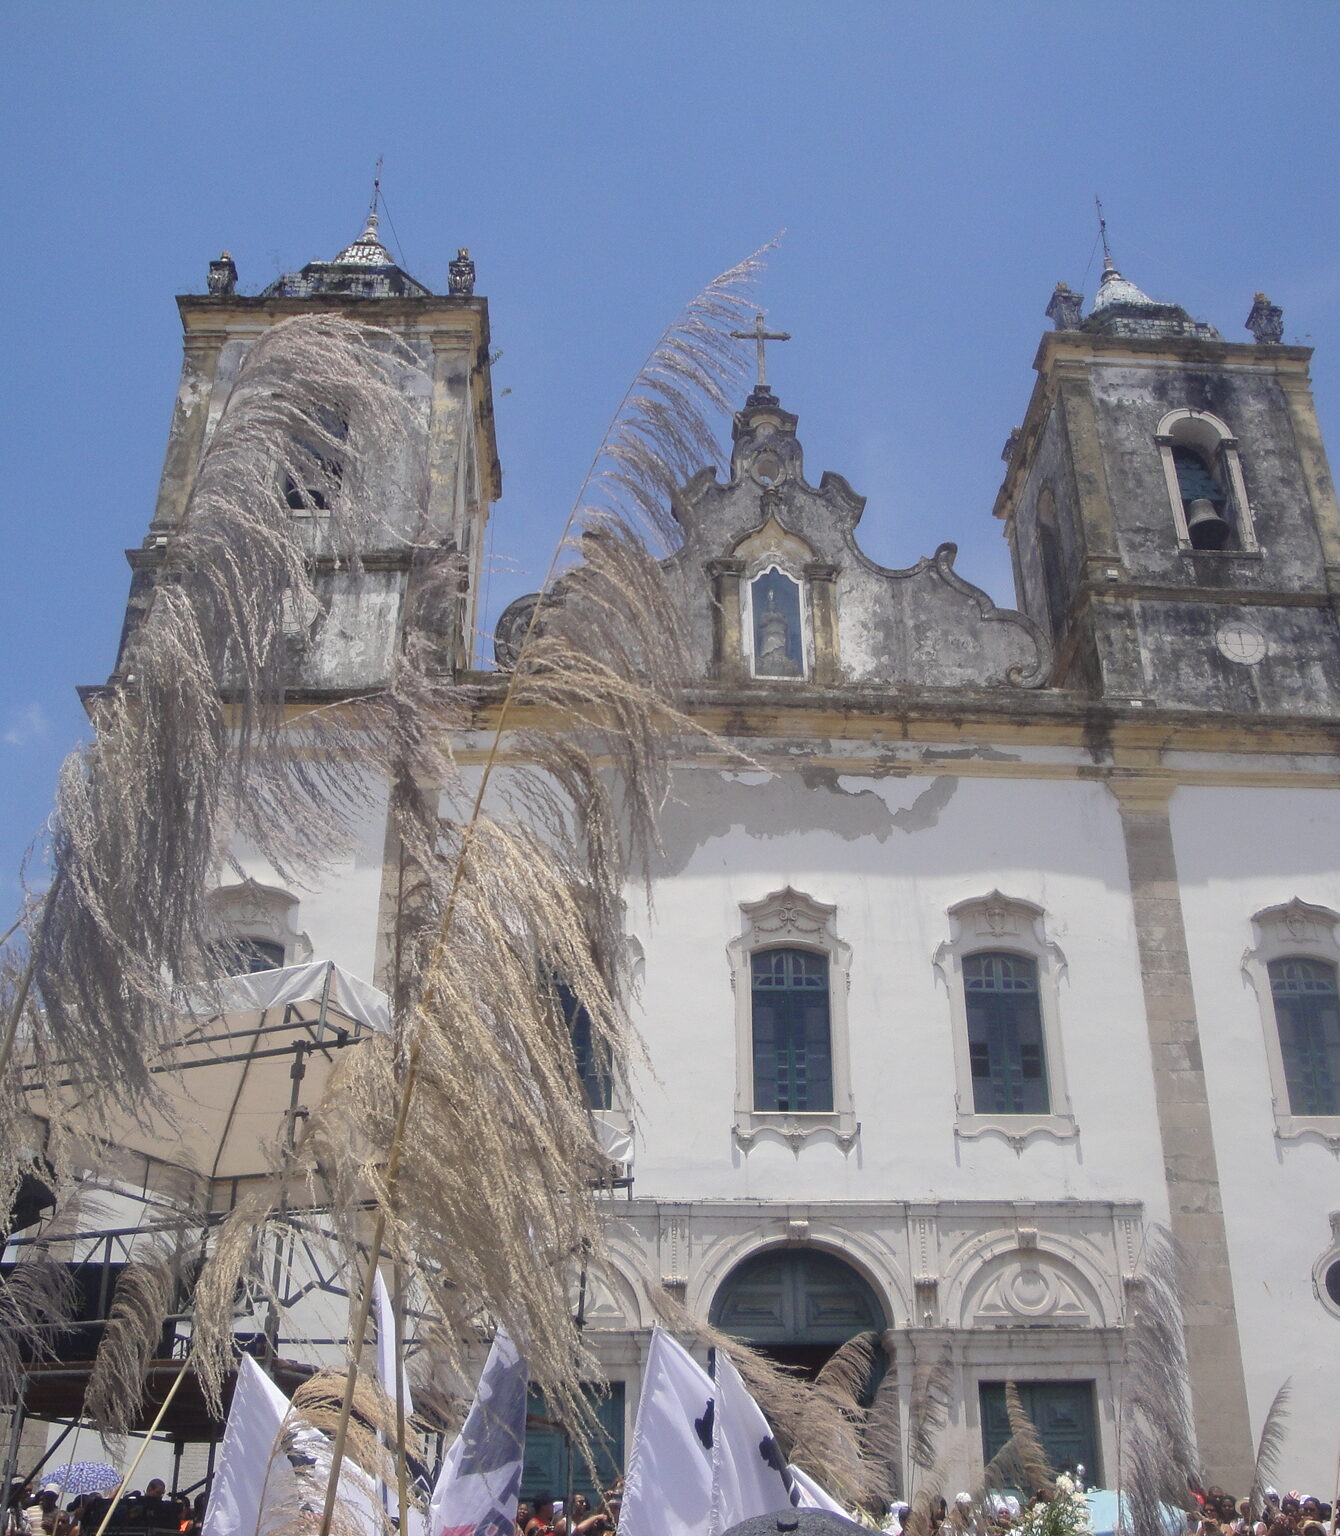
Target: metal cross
column 759, row 335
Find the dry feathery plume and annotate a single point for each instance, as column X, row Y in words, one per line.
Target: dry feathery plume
column 36, row 1302
column 848, row 1375
column 1155, row 1438
column 928, row 1406
column 1270, row 1445
column 882, row 1437
column 467, row 1128
column 1026, row 1443
column 318, row 1400
column 142, row 1299
column 929, row 1491
column 188, row 750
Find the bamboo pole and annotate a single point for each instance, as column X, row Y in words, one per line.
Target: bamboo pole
column 144, row 1445
column 360, row 1323
column 401, row 1466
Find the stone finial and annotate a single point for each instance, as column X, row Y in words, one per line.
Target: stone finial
column 223, row 275
column 461, row 275
column 1266, row 321
column 1065, row 307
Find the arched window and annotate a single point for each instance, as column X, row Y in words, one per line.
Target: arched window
column 776, row 625
column 1294, row 969
column 796, row 1304
column 316, row 469
column 1205, row 485
column 1003, row 977
column 1005, row 1040
column 1307, row 1015
column 793, row 1050
column 245, row 957
column 790, row 973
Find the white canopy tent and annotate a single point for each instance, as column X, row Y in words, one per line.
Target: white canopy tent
column 253, row 1050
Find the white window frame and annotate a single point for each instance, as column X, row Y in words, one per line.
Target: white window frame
column 789, row 919
column 747, row 620
column 994, row 924
column 1296, row 928
column 1204, row 431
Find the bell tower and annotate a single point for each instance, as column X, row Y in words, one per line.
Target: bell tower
column 449, row 334
column 1170, row 512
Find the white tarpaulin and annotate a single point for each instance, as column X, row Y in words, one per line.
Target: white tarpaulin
column 668, row 1483
column 616, row 1141
column 227, row 1079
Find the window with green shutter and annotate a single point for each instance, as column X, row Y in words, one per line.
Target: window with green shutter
column 1005, row 1043
column 1307, row 1015
column 793, row 1049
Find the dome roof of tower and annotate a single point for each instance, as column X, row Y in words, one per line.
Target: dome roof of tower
column 367, row 250
column 1116, row 289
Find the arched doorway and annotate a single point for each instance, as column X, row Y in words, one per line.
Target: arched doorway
column 796, row 1304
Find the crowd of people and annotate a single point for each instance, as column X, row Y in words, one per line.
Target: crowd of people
column 1210, row 1512
column 148, row 1512
column 543, row 1515
column 1292, row 1514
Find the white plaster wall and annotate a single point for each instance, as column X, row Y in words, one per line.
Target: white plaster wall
column 892, row 879
column 338, row 904
column 1239, row 851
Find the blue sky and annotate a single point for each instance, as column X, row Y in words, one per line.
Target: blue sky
column 933, row 165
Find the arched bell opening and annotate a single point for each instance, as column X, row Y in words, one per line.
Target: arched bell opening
column 797, row 1305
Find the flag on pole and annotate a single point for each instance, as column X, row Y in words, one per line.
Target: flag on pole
column 749, row 1473
column 272, row 1465
column 807, row 1494
column 390, row 1367
column 480, row 1484
column 667, row 1488
column 253, row 1476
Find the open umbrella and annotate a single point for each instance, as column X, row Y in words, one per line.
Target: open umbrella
column 77, row 1477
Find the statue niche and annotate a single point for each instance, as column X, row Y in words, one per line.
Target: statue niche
column 778, row 634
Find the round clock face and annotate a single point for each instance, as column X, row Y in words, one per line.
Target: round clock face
column 1241, row 642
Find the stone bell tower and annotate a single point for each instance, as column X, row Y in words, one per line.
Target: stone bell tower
column 1170, row 512
column 449, row 333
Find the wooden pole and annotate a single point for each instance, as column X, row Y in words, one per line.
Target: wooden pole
column 401, row 1464
column 144, row 1445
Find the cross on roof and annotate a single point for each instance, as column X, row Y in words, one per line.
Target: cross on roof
column 759, row 336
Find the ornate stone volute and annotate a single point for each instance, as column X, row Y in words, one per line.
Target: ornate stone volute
column 1266, row 321
column 223, row 275
column 461, row 275
column 1065, row 309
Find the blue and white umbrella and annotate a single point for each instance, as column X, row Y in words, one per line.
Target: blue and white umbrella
column 77, row 1477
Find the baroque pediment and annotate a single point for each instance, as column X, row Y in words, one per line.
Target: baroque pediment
column 922, row 625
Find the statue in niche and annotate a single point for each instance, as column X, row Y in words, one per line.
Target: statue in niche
column 778, row 642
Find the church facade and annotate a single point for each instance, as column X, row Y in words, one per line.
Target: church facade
column 1018, row 935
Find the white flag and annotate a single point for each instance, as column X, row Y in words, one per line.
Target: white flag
column 272, row 1465
column 480, row 1485
column 389, row 1367
column 667, row 1488
column 807, row 1494
column 253, row 1474
column 749, row 1475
